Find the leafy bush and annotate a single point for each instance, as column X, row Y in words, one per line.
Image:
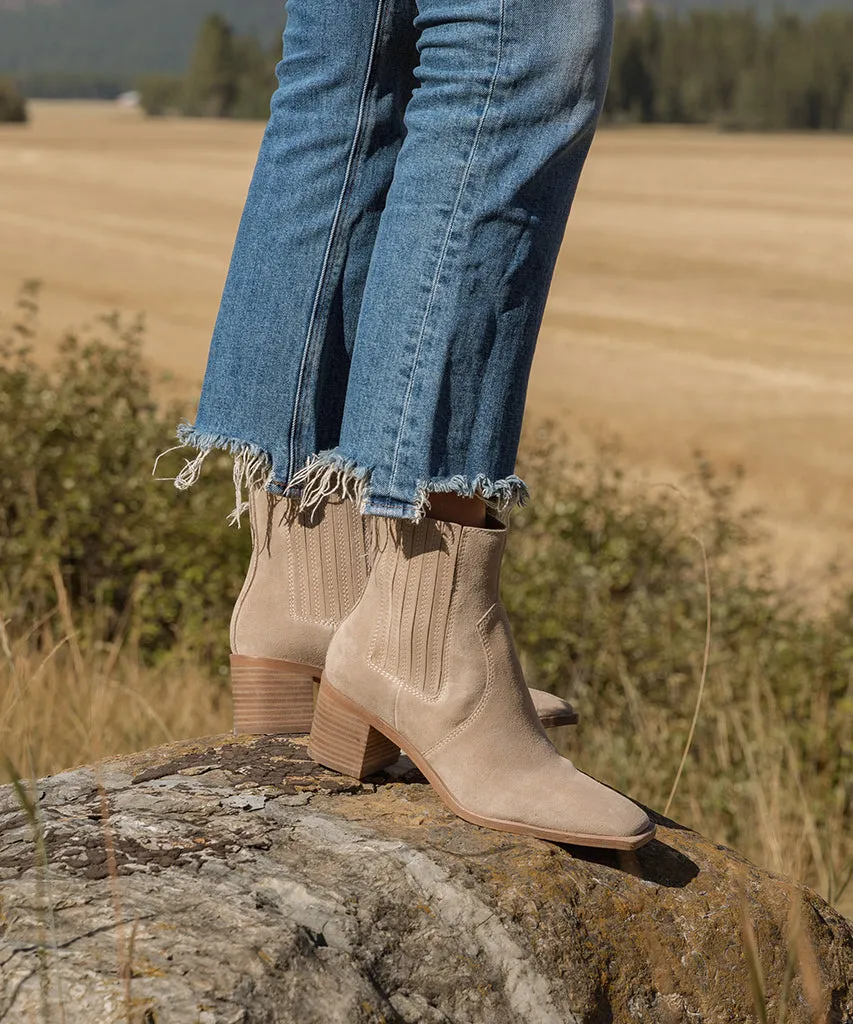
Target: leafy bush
column 77, row 499
column 13, row 106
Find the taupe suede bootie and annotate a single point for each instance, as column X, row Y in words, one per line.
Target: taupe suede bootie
column 306, row 575
column 426, row 662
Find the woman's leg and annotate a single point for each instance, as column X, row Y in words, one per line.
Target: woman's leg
column 498, row 131
column 497, row 134
column 279, row 361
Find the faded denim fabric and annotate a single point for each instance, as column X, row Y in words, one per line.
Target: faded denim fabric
column 398, row 241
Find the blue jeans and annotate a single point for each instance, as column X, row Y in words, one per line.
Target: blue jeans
column 397, row 245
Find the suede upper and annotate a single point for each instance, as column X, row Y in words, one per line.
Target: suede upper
column 303, row 579
column 429, row 650
column 306, row 574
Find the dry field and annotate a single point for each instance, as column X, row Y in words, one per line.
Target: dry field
column 704, row 297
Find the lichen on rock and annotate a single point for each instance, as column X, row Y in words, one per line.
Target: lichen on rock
column 235, row 881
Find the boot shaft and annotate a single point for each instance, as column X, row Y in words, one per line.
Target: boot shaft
column 308, row 573
column 422, row 574
column 305, row 576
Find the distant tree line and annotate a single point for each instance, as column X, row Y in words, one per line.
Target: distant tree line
column 723, row 67
column 13, row 106
column 228, row 76
column 733, row 69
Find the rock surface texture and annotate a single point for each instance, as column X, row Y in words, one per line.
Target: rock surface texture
column 235, row 882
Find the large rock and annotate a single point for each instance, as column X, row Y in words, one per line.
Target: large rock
column 235, row 881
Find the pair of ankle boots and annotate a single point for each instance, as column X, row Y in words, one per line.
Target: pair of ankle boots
column 410, row 643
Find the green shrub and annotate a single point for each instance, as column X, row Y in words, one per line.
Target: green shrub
column 77, row 497
column 13, row 106
column 161, row 95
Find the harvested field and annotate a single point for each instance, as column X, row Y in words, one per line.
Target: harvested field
column 704, row 297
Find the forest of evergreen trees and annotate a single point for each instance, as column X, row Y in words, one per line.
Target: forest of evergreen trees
column 731, row 69
column 726, row 68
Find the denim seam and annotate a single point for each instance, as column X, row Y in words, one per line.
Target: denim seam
column 396, row 505
column 334, row 231
column 441, row 259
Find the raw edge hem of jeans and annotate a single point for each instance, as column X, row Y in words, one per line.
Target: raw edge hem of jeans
column 329, row 475
column 502, row 496
column 252, row 465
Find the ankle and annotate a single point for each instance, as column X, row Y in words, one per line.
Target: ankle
column 453, row 508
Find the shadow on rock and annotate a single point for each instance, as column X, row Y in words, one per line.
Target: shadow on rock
column 655, row 862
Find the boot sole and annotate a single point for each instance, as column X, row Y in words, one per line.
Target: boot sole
column 272, row 696
column 351, row 740
column 552, row 721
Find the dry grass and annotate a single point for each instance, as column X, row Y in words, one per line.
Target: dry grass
column 61, row 707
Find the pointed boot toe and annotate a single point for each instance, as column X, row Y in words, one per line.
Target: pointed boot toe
column 552, row 710
column 605, row 812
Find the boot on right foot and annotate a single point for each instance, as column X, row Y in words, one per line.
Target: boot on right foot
column 426, row 662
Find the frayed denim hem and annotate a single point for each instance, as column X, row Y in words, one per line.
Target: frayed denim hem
column 331, row 475
column 502, row 496
column 252, row 465
column 328, row 475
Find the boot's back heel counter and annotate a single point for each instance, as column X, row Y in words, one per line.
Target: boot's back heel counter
column 271, row 696
column 343, row 741
column 239, row 605
column 234, row 628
